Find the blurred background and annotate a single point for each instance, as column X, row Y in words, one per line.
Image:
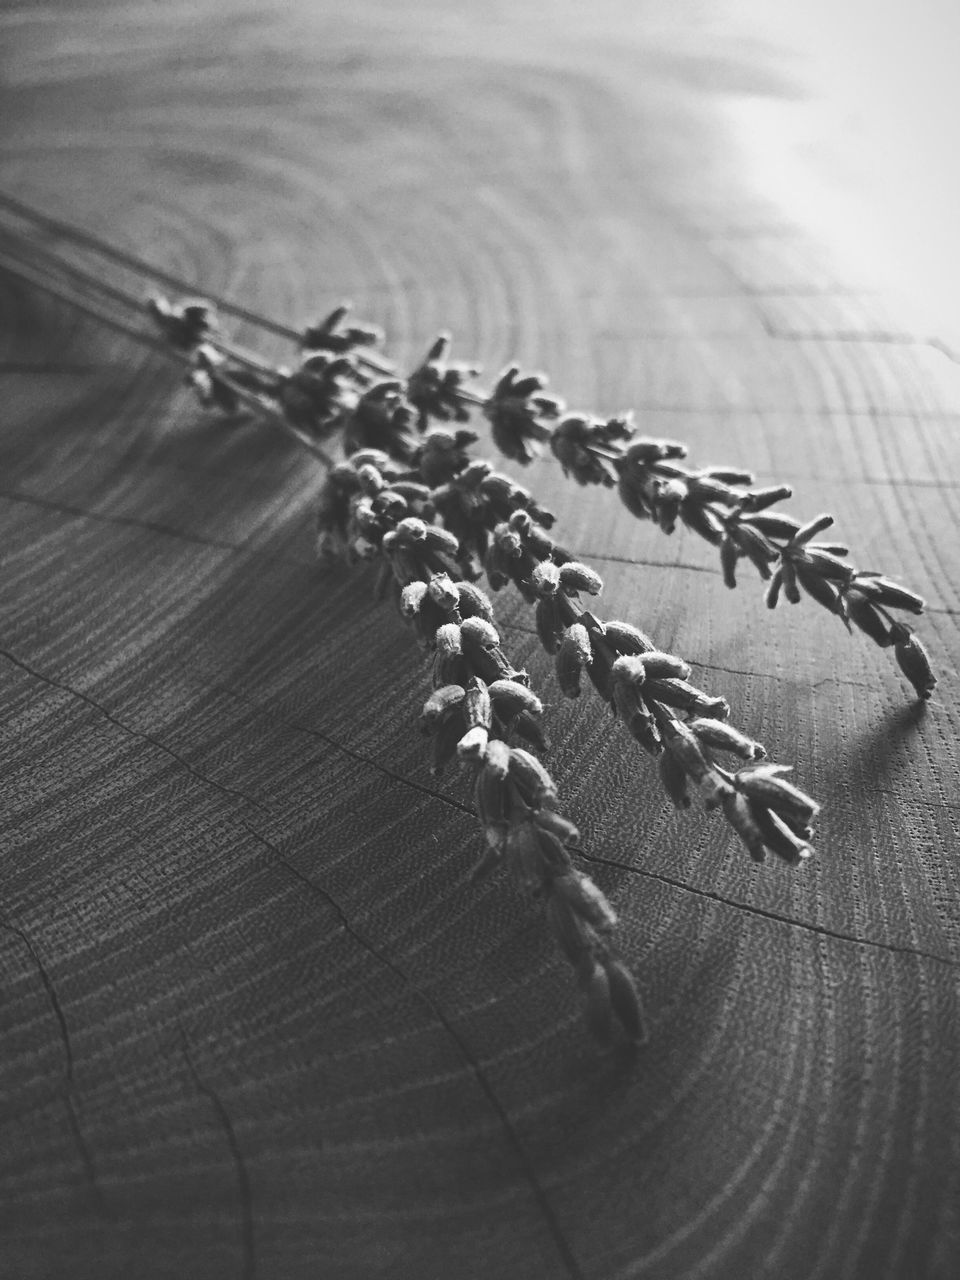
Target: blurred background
column 867, row 151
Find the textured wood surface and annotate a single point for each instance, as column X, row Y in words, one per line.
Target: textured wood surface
column 254, row 1021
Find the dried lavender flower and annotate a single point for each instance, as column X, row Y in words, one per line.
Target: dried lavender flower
column 519, row 413
column 436, row 387
column 184, row 324
column 434, row 516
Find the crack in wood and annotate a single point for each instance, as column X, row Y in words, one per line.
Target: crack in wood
column 134, row 733
column 69, row 1085
column 547, row 1212
column 247, row 1236
column 766, row 914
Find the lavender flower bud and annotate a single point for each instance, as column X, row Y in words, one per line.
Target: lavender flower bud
column 411, row 531
column 914, row 662
column 819, row 588
column 625, row 638
column 686, row 697
column 442, row 540
column 550, row 628
column 625, row 1000
column 673, row 776
column 760, row 499
column 473, row 743
column 557, row 825
column 729, row 555
column 439, row 705
column 686, row 748
column 753, row 544
column 670, row 494
column 831, row 566
column 628, row 671
column 576, row 577
column 572, row 656
column 473, row 603
column 447, row 638
column 497, row 758
column 763, row 783
column 446, row 740
column 598, row 1009
column 773, row 526
column 477, row 707
column 569, row 931
column 643, row 452
column 862, row 613
column 532, row 779
column 510, row 698
column 739, row 814
column 889, row 593
column 811, row 529
column 479, row 633
column 443, row 592
column 778, row 837
column 523, row 849
column 545, row 578
column 723, row 737
column 586, row 900
column 635, row 713
column 773, row 590
column 659, row 666
column 411, row 598
column 789, row 577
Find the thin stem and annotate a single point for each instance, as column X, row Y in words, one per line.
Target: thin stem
column 251, row 399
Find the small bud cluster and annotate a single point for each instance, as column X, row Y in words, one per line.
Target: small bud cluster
column 519, row 413
column 719, row 504
column 184, row 324
column 481, row 714
column 438, row 386
column 516, row 802
column 337, row 387
column 649, row 691
column 386, row 510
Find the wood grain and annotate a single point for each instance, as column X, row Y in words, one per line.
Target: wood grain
column 255, row 1022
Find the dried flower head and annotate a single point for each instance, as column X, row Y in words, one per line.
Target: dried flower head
column 520, row 413
column 413, row 496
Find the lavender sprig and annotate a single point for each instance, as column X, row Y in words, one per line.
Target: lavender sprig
column 468, row 516
column 480, row 711
column 331, row 392
column 484, row 714
column 436, row 519
column 721, row 505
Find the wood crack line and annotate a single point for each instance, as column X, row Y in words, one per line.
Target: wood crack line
column 245, row 547
column 733, row 671
column 645, row 563
column 69, row 1087
column 638, row 563
column 247, row 1240
column 83, row 513
column 682, row 885
column 550, row 1218
column 766, row 914
column 360, row 758
column 134, row 733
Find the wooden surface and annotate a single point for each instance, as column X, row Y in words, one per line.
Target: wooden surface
column 255, row 1021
